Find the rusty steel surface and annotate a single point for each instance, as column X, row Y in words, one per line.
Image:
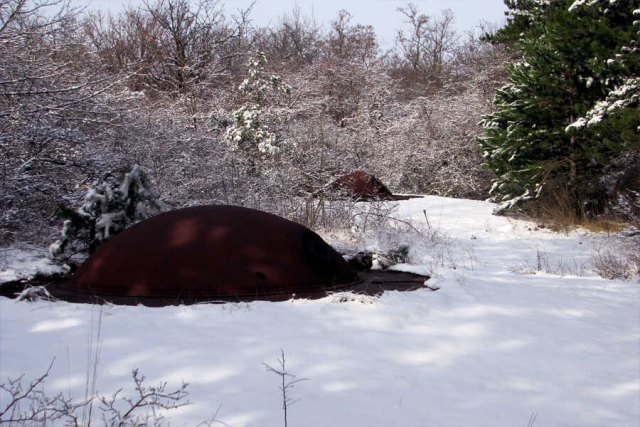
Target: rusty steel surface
column 362, row 186
column 372, row 283
column 210, row 252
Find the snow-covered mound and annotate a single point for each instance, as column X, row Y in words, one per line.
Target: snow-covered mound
column 521, row 325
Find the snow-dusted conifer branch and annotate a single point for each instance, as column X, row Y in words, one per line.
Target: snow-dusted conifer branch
column 109, row 207
column 622, row 85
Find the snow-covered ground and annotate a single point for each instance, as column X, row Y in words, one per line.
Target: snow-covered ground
column 520, row 326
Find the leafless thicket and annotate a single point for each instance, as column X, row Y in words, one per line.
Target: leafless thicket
column 57, row 112
column 84, row 96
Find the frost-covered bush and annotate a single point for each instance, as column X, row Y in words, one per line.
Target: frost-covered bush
column 109, row 207
column 439, row 156
column 617, row 256
column 57, row 109
column 254, row 146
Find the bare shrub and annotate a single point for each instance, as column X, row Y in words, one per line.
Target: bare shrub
column 296, row 40
column 438, row 156
column 28, row 404
column 617, row 258
column 141, row 408
column 544, row 264
column 611, row 266
column 287, row 382
column 169, row 45
column 427, row 47
column 357, row 43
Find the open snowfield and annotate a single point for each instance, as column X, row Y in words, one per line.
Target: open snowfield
column 521, row 325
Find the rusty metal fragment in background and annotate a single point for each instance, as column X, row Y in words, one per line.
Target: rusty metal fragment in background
column 213, row 252
column 361, row 185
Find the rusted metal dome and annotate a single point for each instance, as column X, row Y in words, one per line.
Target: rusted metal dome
column 361, row 186
column 211, row 252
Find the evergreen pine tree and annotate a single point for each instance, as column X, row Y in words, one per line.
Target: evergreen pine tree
column 615, row 116
column 534, row 141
